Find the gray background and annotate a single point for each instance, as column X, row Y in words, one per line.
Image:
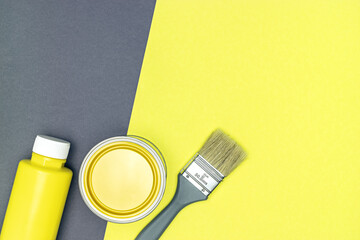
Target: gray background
column 68, row 69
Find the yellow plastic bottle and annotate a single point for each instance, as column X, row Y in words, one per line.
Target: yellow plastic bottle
column 39, row 192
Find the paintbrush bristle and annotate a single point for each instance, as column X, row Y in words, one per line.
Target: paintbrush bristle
column 222, row 152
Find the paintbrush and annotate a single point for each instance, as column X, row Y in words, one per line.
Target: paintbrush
column 218, row 157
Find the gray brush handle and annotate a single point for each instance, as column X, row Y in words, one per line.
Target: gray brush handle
column 186, row 193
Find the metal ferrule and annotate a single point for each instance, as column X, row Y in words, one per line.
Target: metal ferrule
column 202, row 174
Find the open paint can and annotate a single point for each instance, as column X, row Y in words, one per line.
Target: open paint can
column 122, row 179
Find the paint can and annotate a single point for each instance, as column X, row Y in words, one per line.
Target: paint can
column 122, row 179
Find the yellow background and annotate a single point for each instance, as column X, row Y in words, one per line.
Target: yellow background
column 282, row 78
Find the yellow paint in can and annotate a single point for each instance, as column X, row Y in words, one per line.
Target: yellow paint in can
column 122, row 179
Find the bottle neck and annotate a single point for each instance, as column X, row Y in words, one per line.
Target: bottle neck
column 47, row 161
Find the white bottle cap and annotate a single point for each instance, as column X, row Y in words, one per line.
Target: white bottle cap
column 51, row 147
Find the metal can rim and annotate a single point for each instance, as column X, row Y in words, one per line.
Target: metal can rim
column 152, row 149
